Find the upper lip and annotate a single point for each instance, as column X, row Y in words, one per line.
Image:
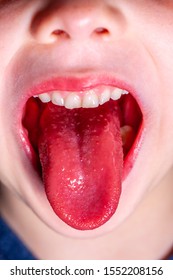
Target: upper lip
column 72, row 83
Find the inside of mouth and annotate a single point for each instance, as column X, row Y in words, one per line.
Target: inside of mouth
column 39, row 123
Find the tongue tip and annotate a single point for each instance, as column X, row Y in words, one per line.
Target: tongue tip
column 85, row 212
column 83, row 225
column 89, row 225
column 80, row 221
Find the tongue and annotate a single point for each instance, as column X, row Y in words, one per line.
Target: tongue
column 81, row 156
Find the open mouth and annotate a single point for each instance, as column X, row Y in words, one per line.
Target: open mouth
column 80, row 143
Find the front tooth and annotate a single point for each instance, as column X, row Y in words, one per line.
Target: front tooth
column 105, row 96
column 72, row 101
column 57, row 99
column 44, row 97
column 116, row 94
column 90, row 100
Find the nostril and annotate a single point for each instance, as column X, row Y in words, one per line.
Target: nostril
column 101, row 32
column 61, row 33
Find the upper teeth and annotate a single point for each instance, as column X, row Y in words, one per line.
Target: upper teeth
column 87, row 99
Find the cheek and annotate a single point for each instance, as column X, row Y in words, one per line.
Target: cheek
column 10, row 173
column 15, row 19
column 162, row 56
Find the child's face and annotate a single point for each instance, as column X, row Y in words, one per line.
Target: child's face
column 80, row 44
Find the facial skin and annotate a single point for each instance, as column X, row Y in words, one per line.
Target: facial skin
column 137, row 48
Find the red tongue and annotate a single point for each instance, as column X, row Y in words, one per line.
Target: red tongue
column 82, row 157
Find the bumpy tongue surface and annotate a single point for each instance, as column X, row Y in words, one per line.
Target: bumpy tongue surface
column 82, row 158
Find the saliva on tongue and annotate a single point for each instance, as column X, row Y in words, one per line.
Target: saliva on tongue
column 81, row 155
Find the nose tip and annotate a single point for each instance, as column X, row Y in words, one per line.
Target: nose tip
column 75, row 22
